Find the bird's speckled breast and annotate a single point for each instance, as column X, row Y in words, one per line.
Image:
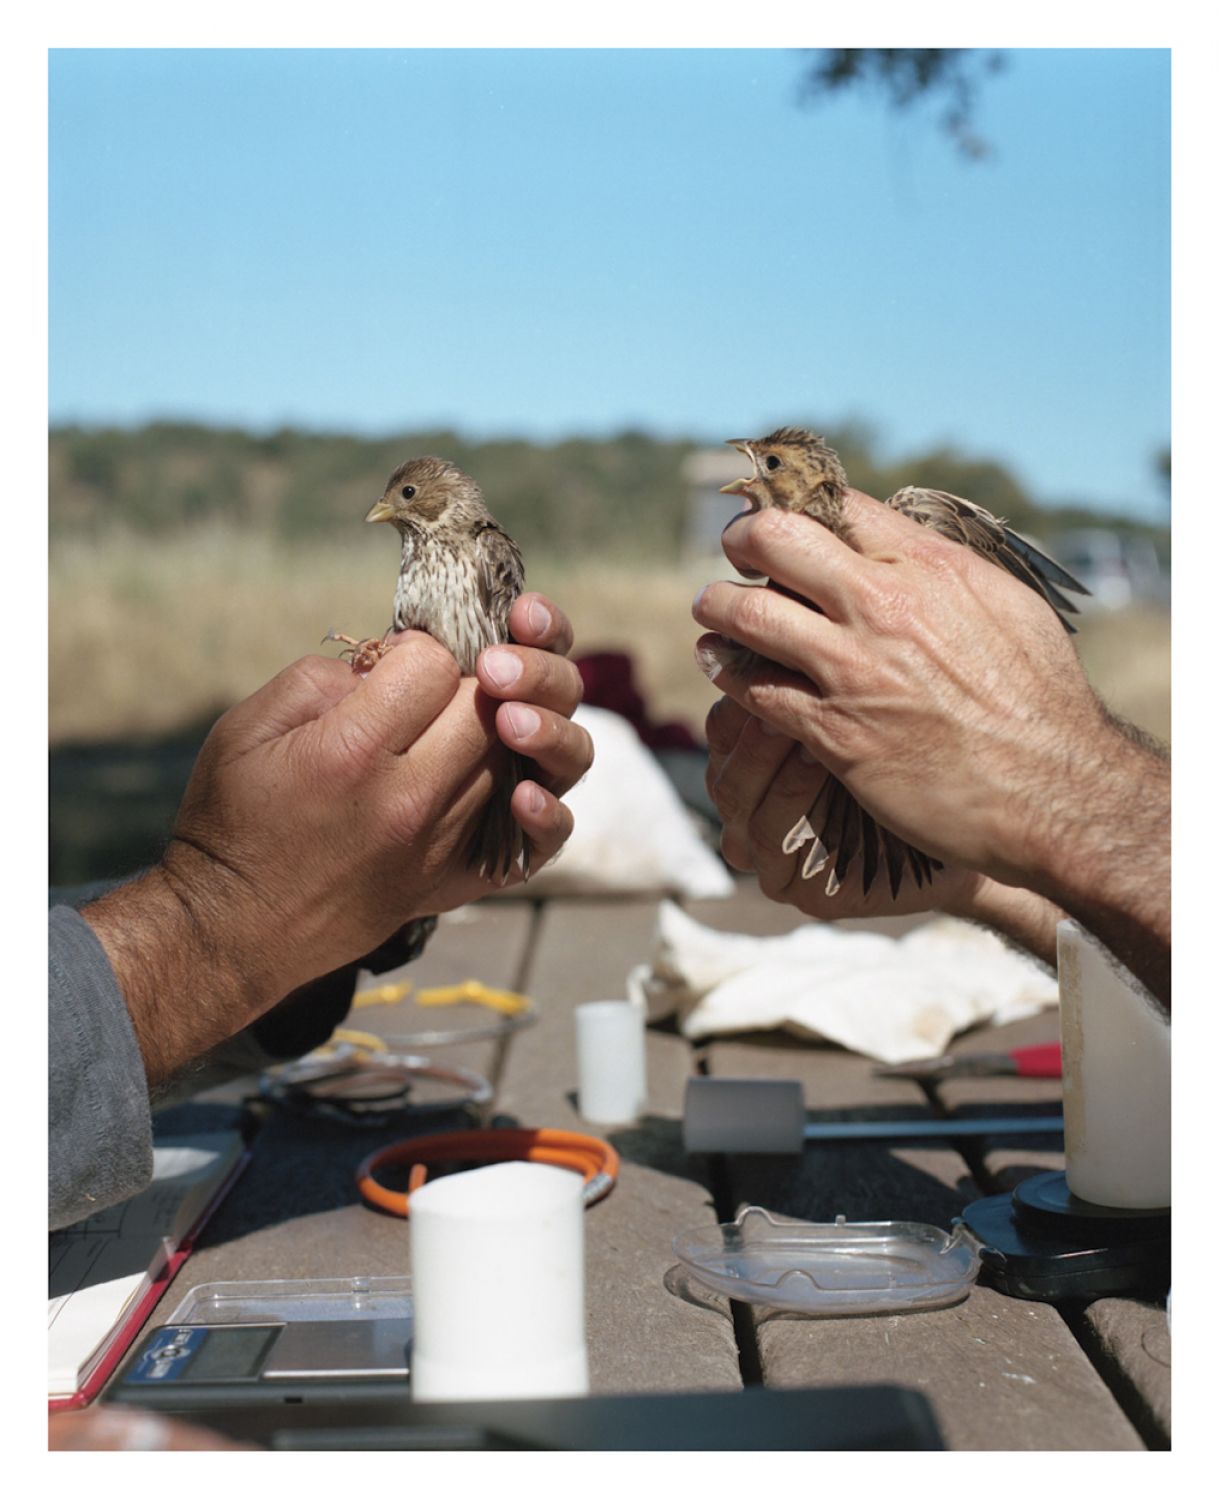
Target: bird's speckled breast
column 438, row 591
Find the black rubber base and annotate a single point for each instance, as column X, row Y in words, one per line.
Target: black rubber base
column 1042, row 1243
column 1046, row 1203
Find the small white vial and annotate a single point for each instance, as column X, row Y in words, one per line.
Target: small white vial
column 612, row 1086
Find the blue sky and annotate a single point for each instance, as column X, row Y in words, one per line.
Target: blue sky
column 548, row 243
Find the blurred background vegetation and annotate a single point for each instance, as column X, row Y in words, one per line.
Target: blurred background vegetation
column 621, row 496
column 189, row 563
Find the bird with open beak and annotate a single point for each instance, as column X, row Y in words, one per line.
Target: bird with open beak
column 459, row 574
column 795, row 470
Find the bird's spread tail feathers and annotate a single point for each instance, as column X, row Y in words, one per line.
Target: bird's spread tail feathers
column 847, row 832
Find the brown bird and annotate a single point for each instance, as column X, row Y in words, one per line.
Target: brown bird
column 795, row 470
column 459, row 575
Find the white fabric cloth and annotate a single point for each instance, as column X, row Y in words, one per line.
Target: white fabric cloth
column 893, row 999
column 632, row 832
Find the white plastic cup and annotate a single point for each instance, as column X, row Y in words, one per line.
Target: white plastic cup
column 612, row 1086
column 498, row 1279
column 1116, row 1098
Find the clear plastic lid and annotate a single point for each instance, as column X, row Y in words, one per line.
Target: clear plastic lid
column 831, row 1270
column 331, row 1299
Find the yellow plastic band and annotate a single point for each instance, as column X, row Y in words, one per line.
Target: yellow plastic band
column 473, row 992
column 382, row 994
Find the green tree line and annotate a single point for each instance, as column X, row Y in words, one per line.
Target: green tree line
column 624, row 496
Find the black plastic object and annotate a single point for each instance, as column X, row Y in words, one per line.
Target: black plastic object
column 853, row 1418
column 1042, row 1243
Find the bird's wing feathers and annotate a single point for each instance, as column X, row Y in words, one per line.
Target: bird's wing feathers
column 501, row 573
column 975, row 527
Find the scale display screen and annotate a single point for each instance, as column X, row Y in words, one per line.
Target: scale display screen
column 236, row 1356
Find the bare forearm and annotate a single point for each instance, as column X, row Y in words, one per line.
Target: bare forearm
column 1107, row 863
column 1088, row 837
column 185, row 985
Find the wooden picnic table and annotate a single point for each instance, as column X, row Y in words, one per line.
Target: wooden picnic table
column 998, row 1372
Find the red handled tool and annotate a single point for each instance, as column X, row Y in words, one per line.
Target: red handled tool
column 1044, row 1061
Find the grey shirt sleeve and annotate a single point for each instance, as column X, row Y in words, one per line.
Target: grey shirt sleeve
column 100, row 1142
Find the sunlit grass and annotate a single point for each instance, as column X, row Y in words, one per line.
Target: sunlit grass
column 148, row 634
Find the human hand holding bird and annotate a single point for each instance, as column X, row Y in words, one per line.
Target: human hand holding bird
column 923, row 679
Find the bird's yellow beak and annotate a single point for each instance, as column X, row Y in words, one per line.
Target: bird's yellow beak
column 380, row 512
column 739, row 486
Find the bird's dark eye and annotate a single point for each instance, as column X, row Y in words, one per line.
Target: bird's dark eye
column 772, row 462
column 408, row 492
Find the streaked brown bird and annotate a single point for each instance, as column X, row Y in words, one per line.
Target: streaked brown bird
column 796, row 470
column 459, row 575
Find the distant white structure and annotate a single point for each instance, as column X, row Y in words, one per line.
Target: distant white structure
column 1116, row 569
column 708, row 512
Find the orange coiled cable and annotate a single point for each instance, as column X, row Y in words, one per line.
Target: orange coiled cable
column 595, row 1160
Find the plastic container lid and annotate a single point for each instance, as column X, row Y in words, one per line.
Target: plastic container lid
column 324, row 1300
column 831, row 1270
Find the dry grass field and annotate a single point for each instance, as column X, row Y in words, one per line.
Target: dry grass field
column 148, row 635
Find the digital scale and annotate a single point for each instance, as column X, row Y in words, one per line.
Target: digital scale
column 325, row 1365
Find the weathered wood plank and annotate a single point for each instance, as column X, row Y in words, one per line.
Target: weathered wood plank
column 1000, row 1374
column 641, row 1335
column 1129, row 1341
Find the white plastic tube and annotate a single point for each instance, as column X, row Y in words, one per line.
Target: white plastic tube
column 612, row 1087
column 497, row 1263
column 1116, row 1092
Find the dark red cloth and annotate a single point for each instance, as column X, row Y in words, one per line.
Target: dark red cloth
column 609, row 679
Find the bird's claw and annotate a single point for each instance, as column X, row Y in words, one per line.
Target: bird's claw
column 361, row 656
